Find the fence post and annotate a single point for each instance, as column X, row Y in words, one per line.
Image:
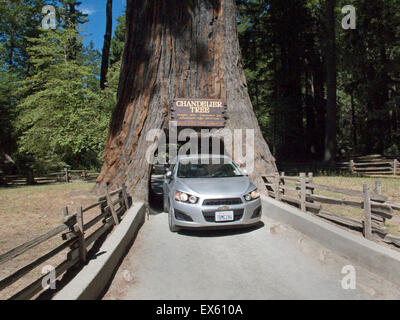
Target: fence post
column 125, row 196
column 303, row 191
column 378, row 187
column 276, row 186
column 103, row 205
column 311, row 181
column 66, row 175
column 283, row 181
column 81, row 235
column 110, row 205
column 70, row 221
column 367, row 212
column 65, row 211
column 395, row 163
column 352, row 166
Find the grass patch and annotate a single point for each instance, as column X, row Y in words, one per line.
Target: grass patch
column 390, row 188
column 29, row 211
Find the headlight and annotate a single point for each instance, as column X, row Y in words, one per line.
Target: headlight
column 252, row 195
column 192, row 199
column 184, row 197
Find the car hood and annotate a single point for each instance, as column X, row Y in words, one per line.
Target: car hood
column 235, row 186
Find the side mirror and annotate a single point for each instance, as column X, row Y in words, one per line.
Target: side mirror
column 168, row 175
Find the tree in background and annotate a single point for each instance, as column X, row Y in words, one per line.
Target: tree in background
column 8, row 85
column 118, row 40
column 19, row 20
column 106, row 46
column 52, row 111
column 72, row 18
column 370, row 74
column 272, row 37
column 296, row 45
column 63, row 119
column 331, row 87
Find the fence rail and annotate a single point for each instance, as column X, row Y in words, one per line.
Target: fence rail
column 376, row 207
column 372, row 165
column 66, row 175
column 73, row 229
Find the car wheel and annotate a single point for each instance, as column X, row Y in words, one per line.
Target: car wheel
column 172, row 226
column 165, row 203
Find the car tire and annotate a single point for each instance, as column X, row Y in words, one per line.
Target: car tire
column 172, row 227
column 165, row 203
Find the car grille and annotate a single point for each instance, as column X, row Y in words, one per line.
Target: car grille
column 222, row 202
column 209, row 216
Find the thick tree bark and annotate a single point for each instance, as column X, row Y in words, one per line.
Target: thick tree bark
column 106, row 47
column 331, row 111
column 175, row 49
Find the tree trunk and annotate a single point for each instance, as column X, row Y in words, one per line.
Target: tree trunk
column 353, row 123
column 331, row 112
column 175, row 49
column 310, row 117
column 106, row 47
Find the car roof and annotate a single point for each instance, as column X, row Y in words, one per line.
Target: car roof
column 200, row 156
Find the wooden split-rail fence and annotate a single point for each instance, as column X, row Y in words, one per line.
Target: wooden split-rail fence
column 73, row 231
column 67, row 175
column 371, row 167
column 300, row 192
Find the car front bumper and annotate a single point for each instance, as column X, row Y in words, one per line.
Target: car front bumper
column 203, row 216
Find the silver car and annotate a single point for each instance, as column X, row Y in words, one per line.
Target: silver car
column 209, row 191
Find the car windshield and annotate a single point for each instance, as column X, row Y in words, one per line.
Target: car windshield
column 202, row 170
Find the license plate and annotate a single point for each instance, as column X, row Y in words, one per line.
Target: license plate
column 224, row 216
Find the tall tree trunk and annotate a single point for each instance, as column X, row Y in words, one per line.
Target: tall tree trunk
column 310, row 116
column 353, row 123
column 106, row 47
column 175, row 49
column 331, row 111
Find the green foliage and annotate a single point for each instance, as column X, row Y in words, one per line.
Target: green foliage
column 62, row 119
column 71, row 16
column 7, row 109
column 118, row 40
column 52, row 113
column 19, row 19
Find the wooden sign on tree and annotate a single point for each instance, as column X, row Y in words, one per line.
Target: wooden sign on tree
column 199, row 112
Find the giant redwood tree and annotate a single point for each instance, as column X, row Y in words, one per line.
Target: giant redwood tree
column 175, row 49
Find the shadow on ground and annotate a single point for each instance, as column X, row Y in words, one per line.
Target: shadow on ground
column 232, row 231
column 156, row 195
